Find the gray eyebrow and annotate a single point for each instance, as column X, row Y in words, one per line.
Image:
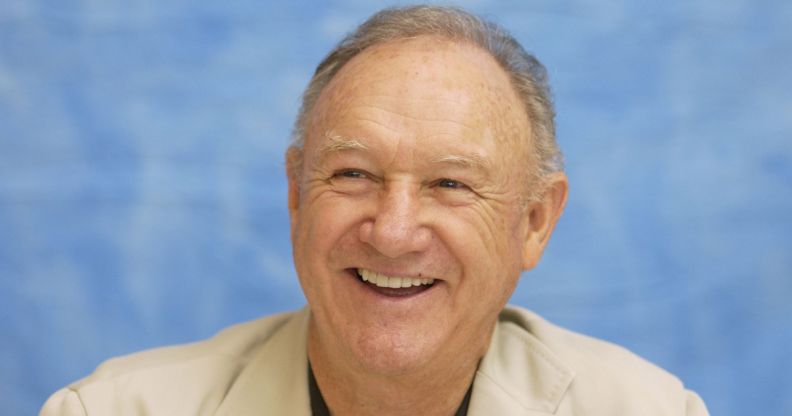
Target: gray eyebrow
column 467, row 161
column 336, row 143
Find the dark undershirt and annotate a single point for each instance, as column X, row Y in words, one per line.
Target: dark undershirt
column 319, row 407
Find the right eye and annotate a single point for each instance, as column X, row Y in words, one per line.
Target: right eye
column 352, row 181
column 350, row 173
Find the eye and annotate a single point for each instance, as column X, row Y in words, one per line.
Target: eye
column 451, row 184
column 350, row 173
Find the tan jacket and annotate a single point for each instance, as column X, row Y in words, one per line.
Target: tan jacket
column 260, row 368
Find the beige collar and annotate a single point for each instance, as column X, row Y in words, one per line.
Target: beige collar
column 518, row 375
column 276, row 380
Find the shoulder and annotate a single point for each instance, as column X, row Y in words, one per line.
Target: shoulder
column 190, row 378
column 232, row 345
column 584, row 355
column 602, row 377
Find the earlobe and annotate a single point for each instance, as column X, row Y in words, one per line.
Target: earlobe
column 542, row 216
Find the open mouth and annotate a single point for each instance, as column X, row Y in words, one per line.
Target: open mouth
column 393, row 286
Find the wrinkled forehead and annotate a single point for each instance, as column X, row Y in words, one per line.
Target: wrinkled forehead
column 426, row 77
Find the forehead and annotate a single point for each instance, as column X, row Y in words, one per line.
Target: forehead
column 423, row 88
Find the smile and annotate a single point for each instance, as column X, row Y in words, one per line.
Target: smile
column 393, row 282
column 393, row 286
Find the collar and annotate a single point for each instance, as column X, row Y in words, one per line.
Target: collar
column 276, row 379
column 518, row 374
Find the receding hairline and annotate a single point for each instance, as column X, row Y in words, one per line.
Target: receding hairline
column 516, row 128
column 528, row 75
column 499, row 89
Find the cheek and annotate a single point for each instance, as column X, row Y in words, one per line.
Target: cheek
column 488, row 234
column 323, row 224
column 321, row 229
column 488, row 250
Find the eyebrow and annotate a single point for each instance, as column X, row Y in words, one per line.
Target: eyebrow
column 472, row 161
column 336, row 143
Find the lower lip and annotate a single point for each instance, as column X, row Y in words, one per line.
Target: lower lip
column 393, row 293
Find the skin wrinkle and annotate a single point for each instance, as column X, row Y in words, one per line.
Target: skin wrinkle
column 418, row 117
column 428, row 99
column 421, row 118
column 356, row 84
column 490, row 196
column 526, row 78
column 512, row 139
column 516, row 138
column 337, row 144
column 485, row 190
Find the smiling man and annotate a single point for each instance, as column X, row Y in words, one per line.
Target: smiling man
column 424, row 177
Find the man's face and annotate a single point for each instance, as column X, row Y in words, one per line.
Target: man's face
column 413, row 169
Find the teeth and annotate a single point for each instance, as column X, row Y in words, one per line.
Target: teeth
column 381, row 281
column 390, row 281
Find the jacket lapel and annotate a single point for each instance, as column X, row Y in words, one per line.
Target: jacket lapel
column 276, row 380
column 518, row 375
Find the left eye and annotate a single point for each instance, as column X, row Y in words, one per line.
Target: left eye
column 350, row 173
column 450, row 183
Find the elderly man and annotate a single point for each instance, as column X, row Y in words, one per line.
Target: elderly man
column 424, row 177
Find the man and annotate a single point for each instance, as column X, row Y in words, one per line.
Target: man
column 424, row 177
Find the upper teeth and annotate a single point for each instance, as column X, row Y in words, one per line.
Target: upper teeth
column 382, row 280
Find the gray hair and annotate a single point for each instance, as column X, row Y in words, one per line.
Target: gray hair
column 527, row 74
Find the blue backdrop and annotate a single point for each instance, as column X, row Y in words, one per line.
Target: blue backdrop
column 142, row 193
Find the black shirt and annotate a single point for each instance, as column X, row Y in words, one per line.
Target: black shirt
column 319, row 407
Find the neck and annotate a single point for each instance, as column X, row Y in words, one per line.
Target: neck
column 349, row 389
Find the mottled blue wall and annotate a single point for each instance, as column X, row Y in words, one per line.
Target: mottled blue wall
column 142, row 194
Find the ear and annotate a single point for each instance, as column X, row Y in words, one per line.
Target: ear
column 293, row 173
column 541, row 217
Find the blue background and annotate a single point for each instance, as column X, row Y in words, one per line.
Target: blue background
column 142, row 193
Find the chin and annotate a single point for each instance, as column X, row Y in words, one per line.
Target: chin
column 393, row 353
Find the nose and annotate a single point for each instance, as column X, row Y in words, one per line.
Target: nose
column 397, row 228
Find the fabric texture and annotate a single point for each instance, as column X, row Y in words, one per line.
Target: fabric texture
column 531, row 368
